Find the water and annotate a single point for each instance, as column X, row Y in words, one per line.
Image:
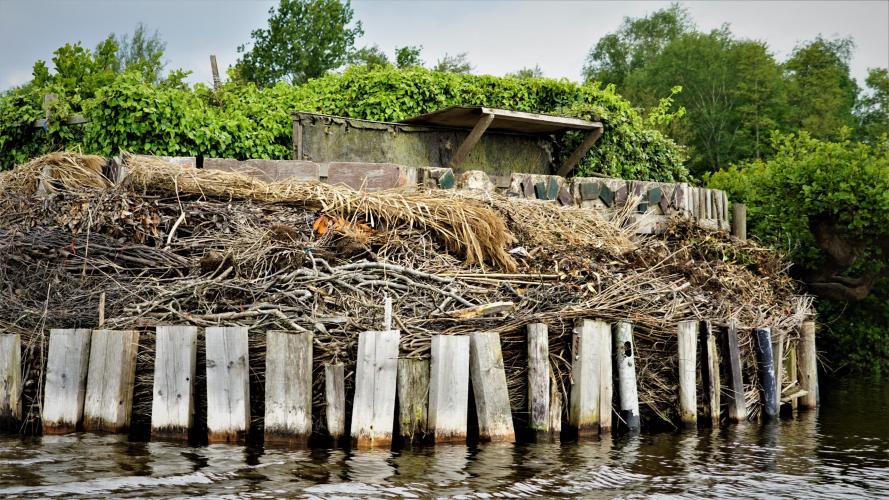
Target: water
column 843, row 451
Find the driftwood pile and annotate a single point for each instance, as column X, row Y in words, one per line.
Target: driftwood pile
column 175, row 245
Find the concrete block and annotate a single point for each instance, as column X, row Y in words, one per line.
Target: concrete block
column 371, row 176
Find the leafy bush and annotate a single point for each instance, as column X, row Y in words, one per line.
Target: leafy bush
column 243, row 121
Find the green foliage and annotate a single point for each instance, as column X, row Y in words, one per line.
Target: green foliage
column 408, row 56
column 826, row 204
column 821, row 92
column 635, row 43
column 523, row 73
column 454, row 64
column 873, row 107
column 142, row 53
column 304, row 40
column 244, row 121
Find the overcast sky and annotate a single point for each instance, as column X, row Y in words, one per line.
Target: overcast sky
column 499, row 36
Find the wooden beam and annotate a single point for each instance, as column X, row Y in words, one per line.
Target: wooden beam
column 807, row 363
column 628, row 394
column 710, row 373
column 537, row 118
column 66, row 372
column 471, row 140
column 588, row 353
column 288, row 387
column 175, row 364
column 688, row 402
column 413, row 399
column 10, row 381
column 335, row 400
column 373, row 407
column 488, row 377
column 109, row 384
column 737, row 404
column 538, row 379
column 228, row 384
column 581, row 150
column 449, row 388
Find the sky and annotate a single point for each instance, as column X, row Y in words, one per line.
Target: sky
column 499, row 36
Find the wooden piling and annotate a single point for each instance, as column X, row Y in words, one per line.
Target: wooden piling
column 228, row 384
column 778, row 363
column 739, row 221
column 710, row 373
column 539, row 380
column 792, row 376
column 488, row 376
column 737, row 404
column 335, row 400
column 449, row 388
column 587, row 394
column 688, row 403
column 110, row 380
column 413, row 399
column 807, row 361
column 625, row 353
column 65, row 387
column 175, row 364
column 373, row 409
column 10, row 381
column 766, row 370
column 288, row 388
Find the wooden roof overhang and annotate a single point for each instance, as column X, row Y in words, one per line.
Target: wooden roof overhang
column 481, row 119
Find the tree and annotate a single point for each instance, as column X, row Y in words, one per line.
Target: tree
column 634, row 44
column 305, row 39
column 370, row 56
column 822, row 93
column 408, row 56
column 731, row 90
column 872, row 109
column 453, row 64
column 142, row 53
column 523, row 73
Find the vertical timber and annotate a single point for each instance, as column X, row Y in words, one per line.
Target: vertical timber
column 228, row 384
column 373, row 408
column 175, row 364
column 449, row 388
column 10, row 381
column 288, row 387
column 807, row 361
column 110, row 380
column 625, row 354
column 488, row 377
column 766, row 369
column 688, row 404
column 335, row 400
column 65, row 388
column 413, row 399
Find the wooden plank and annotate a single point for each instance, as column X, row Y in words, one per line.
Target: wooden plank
column 791, row 374
column 413, row 399
column 449, row 388
column 373, row 409
column 175, row 364
column 335, row 400
column 710, row 373
column 687, row 344
column 109, row 383
column 228, row 384
column 288, row 387
column 474, row 135
column 579, row 153
column 539, row 379
column 739, row 221
column 766, row 369
column 488, row 377
column 66, row 372
column 585, row 409
column 10, row 381
column 606, row 379
column 628, row 395
column 737, row 404
column 778, row 362
column 807, row 360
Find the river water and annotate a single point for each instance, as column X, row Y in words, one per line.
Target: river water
column 840, row 452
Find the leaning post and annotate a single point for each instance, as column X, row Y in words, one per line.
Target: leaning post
column 807, row 362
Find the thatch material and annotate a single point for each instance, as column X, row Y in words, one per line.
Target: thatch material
column 188, row 246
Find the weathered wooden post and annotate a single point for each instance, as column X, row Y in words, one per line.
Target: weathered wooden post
column 540, row 419
column 175, row 364
column 624, row 350
column 688, row 403
column 488, row 377
column 807, row 359
column 737, row 403
column 10, row 381
column 228, row 384
column 766, row 368
column 373, row 408
column 449, row 388
column 778, row 362
column 335, row 400
column 791, row 373
column 65, row 388
column 288, row 387
column 110, row 380
column 739, row 221
column 585, row 412
column 413, row 399
column 710, row 373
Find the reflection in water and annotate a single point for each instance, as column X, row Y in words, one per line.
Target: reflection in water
column 842, row 451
